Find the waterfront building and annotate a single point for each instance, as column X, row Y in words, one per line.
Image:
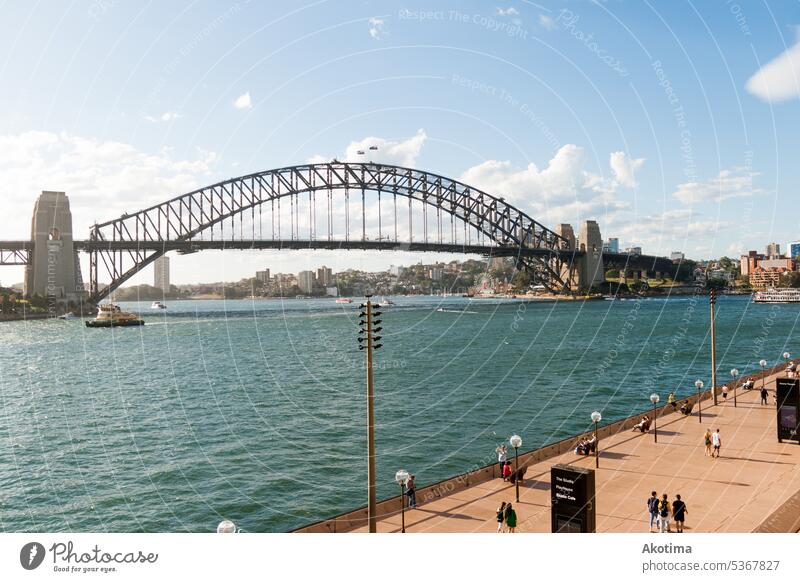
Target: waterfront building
column 436, row 273
column 324, row 276
column 794, row 250
column 761, row 278
column 396, row 271
column 788, row 264
column 263, row 276
column 305, row 281
column 611, row 246
column 676, row 256
column 748, row 262
column 161, row 276
column 773, row 251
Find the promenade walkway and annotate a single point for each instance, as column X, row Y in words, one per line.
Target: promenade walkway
column 754, row 476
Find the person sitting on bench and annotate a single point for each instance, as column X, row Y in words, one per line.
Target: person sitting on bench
column 643, row 425
column 686, row 408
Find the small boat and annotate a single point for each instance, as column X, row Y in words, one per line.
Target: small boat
column 68, row 315
column 110, row 315
column 157, row 305
column 344, row 300
column 385, row 302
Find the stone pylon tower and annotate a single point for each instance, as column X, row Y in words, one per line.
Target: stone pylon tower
column 54, row 271
column 592, row 271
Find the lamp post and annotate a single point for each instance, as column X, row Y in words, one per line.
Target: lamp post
column 787, row 356
column 734, row 373
column 654, row 398
column 699, row 385
column 596, row 417
column 401, row 477
column 226, row 526
column 516, row 442
column 367, row 336
column 712, row 300
column 763, row 364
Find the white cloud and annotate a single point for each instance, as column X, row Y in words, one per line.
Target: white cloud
column 377, row 27
column 167, row 116
column 779, row 79
column 562, row 191
column 510, row 11
column 547, row 22
column 243, row 101
column 402, row 153
column 625, row 168
column 102, row 178
column 734, row 183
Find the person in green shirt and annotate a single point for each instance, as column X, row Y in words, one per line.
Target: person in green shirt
column 511, row 519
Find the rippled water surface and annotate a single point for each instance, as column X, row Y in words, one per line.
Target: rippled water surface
column 255, row 410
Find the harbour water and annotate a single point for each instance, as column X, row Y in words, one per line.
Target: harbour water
column 255, row 410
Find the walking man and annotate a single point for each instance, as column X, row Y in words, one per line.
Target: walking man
column 716, row 440
column 411, row 491
column 764, row 395
column 652, row 509
column 679, row 512
column 502, row 456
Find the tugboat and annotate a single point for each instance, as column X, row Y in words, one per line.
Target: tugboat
column 110, row 315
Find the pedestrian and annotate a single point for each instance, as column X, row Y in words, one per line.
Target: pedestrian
column 501, row 515
column 511, row 519
column 716, row 440
column 502, row 456
column 652, row 510
column 671, row 400
column 663, row 513
column 506, row 470
column 411, row 491
column 725, row 393
column 679, row 512
column 764, row 395
column 707, row 440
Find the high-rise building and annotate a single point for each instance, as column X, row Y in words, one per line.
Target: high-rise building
column 773, row 251
column 161, row 278
column 396, row 271
column 324, row 276
column 676, row 256
column 794, row 250
column 748, row 262
column 305, row 281
column 263, row 276
column 611, row 245
column 435, row 273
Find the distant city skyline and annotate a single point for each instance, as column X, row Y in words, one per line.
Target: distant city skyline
column 672, row 127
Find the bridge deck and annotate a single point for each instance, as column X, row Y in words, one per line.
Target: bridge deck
column 754, row 476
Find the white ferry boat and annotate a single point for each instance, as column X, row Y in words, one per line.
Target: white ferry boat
column 157, row 305
column 786, row 295
column 110, row 315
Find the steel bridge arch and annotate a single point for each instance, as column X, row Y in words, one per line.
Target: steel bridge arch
column 186, row 216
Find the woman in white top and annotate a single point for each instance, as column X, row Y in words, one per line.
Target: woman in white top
column 502, row 456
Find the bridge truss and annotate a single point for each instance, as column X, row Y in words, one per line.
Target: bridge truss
column 329, row 205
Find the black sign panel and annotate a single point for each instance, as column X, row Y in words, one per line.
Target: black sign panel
column 788, row 398
column 572, row 499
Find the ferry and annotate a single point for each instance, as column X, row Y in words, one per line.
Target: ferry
column 785, row 295
column 344, row 300
column 157, row 305
column 110, row 315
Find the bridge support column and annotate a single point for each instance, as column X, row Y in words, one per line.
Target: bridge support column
column 54, row 270
column 591, row 271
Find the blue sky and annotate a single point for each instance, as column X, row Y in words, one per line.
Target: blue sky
column 674, row 124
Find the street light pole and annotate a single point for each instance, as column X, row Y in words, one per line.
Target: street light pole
column 654, row 398
column 596, row 417
column 368, row 322
column 734, row 373
column 516, row 442
column 763, row 364
column 699, row 385
column 713, row 301
column 401, row 477
column 787, row 356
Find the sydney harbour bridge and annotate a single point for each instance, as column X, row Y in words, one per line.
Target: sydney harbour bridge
column 335, row 206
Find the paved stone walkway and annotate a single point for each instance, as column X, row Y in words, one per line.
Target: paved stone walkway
column 734, row 493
